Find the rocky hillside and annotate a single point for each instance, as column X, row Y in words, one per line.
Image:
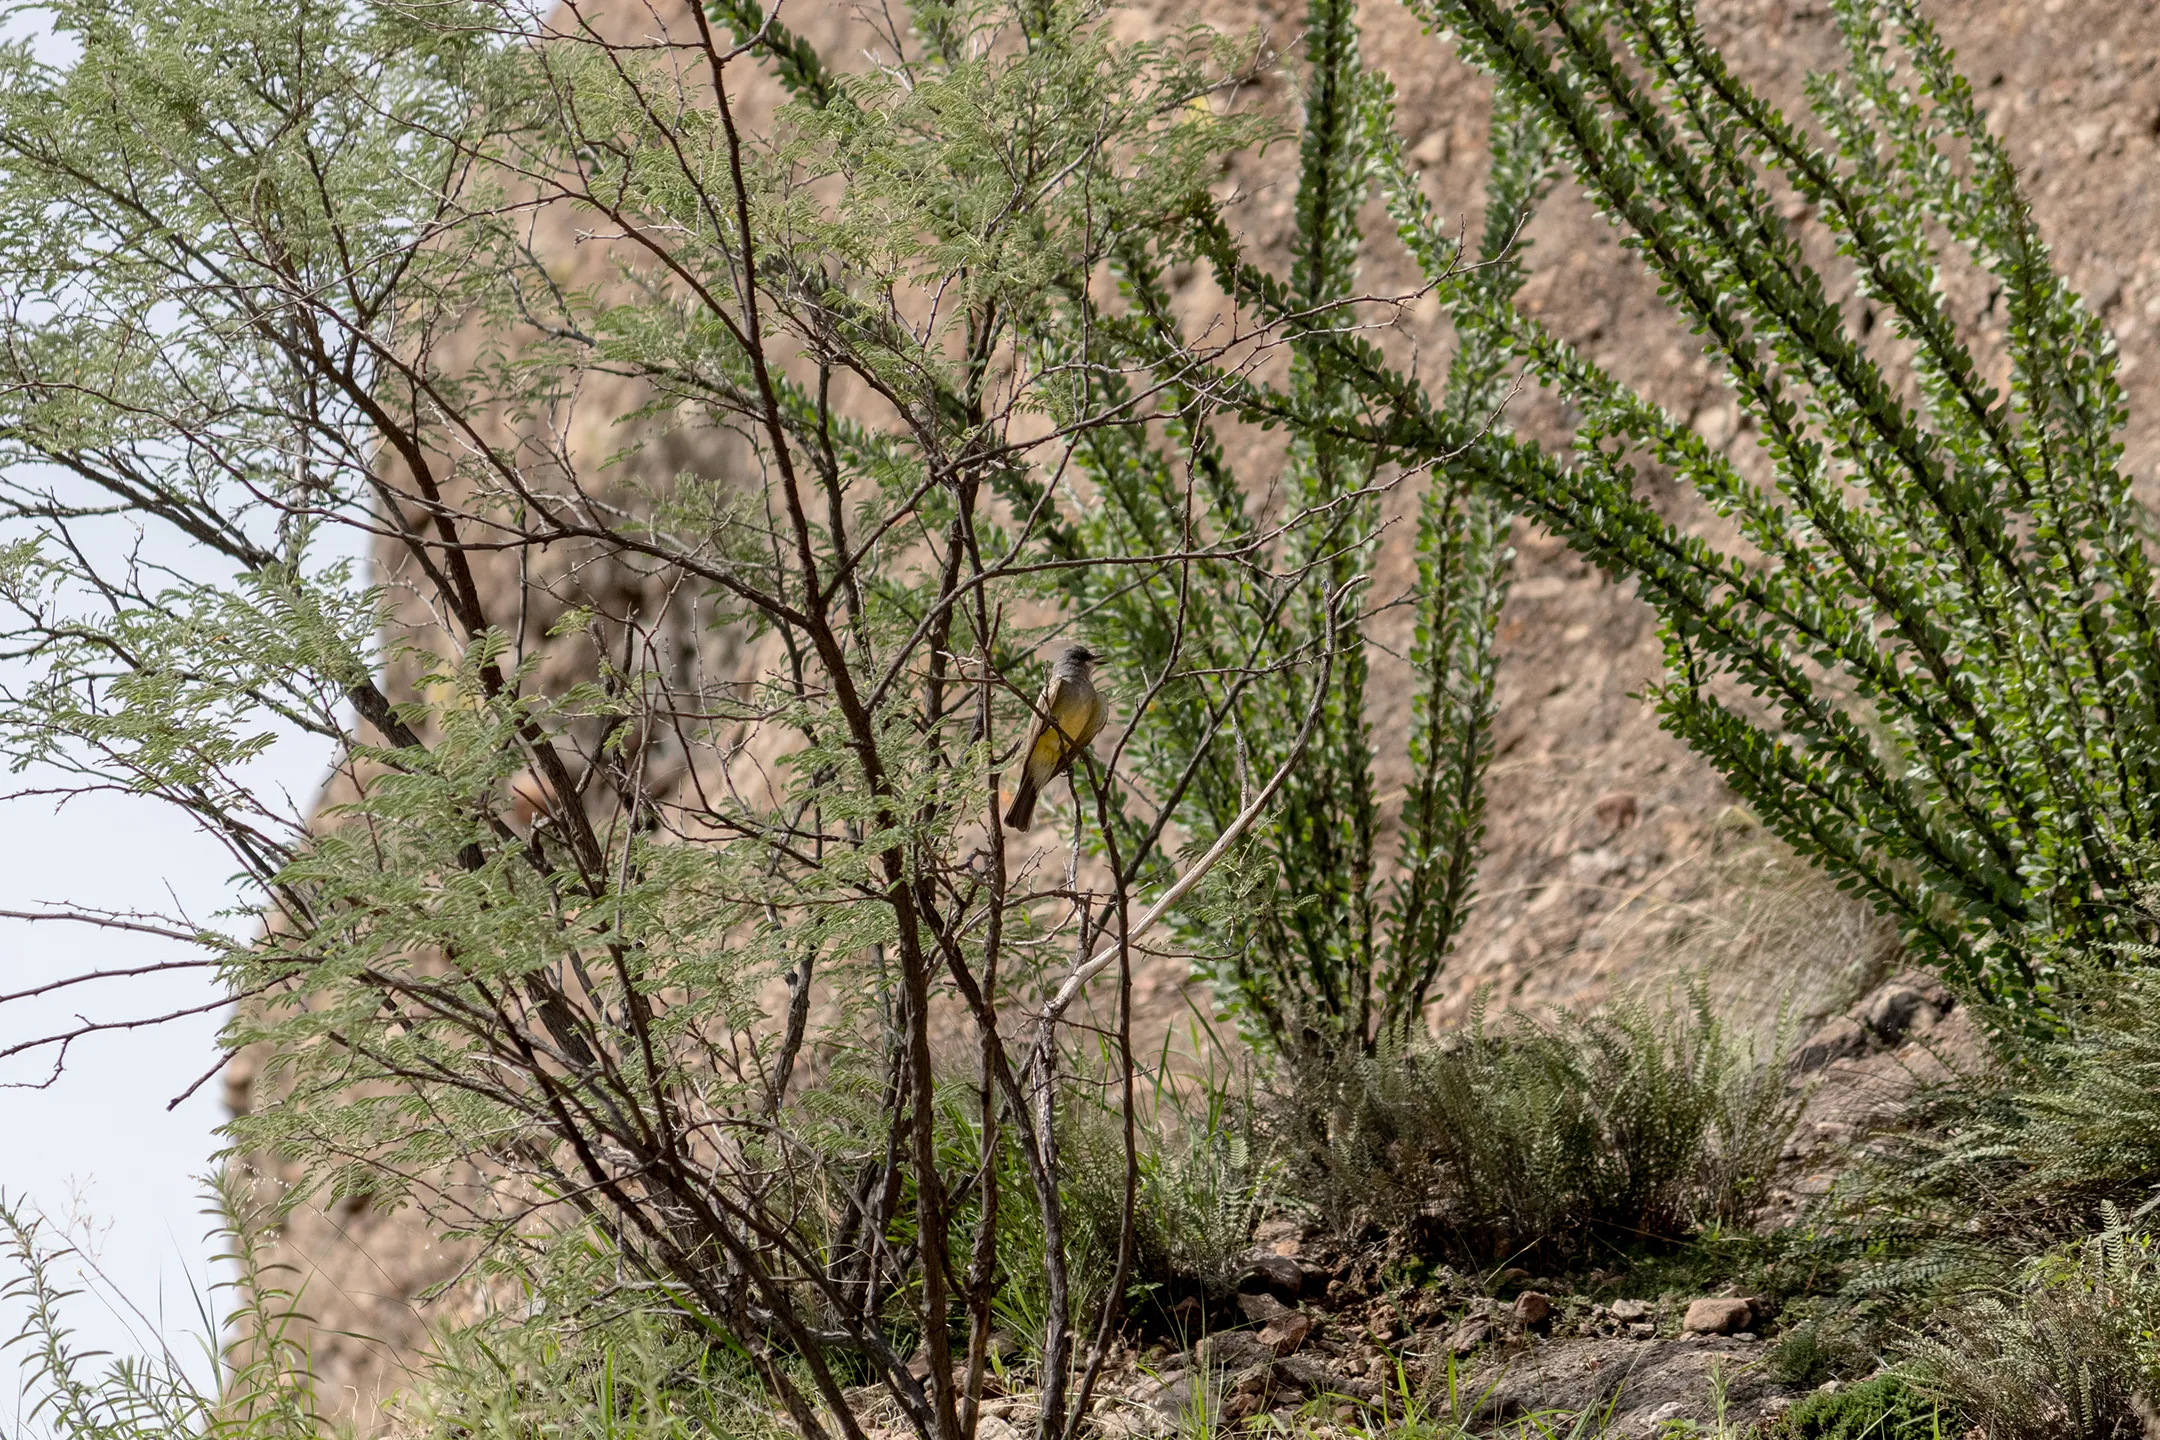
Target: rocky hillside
column 1613, row 856
column 1324, row 1319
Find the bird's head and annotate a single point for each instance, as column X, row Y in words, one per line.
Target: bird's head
column 1076, row 658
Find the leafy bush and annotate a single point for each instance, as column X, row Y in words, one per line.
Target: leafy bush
column 697, row 462
column 704, row 468
column 1540, row 1137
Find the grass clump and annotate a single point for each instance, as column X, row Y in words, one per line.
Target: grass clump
column 638, row 1375
column 265, row 1387
column 1820, row 1343
column 2022, row 1154
column 2013, row 1158
column 1203, row 1185
column 1201, row 1180
column 1978, row 1213
column 1886, row 1407
column 2069, row 1350
column 1536, row 1137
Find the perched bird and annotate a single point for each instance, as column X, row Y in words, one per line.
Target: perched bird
column 1066, row 718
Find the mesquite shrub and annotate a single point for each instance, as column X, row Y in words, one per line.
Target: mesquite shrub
column 620, row 441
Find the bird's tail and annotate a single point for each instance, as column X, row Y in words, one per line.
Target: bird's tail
column 1021, row 813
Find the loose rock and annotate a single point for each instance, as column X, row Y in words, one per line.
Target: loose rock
column 1287, row 1332
column 1123, row 1422
column 1313, row 1376
column 1617, row 810
column 1532, row 1308
column 1892, row 1012
column 1717, row 1316
column 1241, row 1405
column 1467, row 1336
column 1840, row 1038
column 1630, row 1383
column 1232, row 1350
column 1629, row 1311
column 1176, row 1400
column 1277, row 1275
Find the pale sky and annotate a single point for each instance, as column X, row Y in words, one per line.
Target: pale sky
column 97, row 1150
column 98, row 1147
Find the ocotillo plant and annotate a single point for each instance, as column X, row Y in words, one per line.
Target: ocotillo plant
column 661, row 854
column 1932, row 663
column 1316, row 944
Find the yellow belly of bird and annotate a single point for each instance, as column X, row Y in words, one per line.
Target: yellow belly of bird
column 1072, row 725
column 1046, row 754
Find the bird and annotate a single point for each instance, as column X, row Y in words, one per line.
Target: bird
column 1066, row 719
